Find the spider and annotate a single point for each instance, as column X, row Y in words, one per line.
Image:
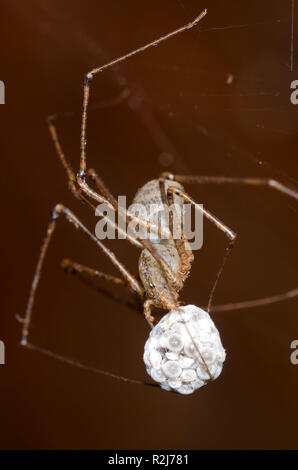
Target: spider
column 184, row 350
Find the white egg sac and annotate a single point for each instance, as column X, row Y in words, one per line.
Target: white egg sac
column 184, row 350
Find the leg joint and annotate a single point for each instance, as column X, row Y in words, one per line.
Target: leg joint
column 57, row 211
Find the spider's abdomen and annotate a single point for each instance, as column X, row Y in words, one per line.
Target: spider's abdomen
column 177, row 254
column 153, row 277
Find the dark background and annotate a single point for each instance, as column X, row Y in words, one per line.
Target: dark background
column 181, row 105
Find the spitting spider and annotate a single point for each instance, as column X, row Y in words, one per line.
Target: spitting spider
column 184, row 350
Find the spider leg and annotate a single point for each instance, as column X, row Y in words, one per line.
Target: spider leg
column 267, row 182
column 89, row 277
column 256, row 302
column 99, row 183
column 168, row 200
column 59, row 209
column 232, row 236
column 139, row 242
column 66, row 165
column 147, row 312
column 111, row 201
column 75, row 268
column 108, row 199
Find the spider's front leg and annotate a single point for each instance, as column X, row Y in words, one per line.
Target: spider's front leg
column 83, row 171
column 71, row 176
column 89, row 76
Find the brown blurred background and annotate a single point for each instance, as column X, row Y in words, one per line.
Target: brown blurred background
column 214, row 100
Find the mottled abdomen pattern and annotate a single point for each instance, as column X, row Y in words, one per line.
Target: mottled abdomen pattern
column 176, row 253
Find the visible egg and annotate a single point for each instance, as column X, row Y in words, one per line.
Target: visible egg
column 186, row 389
column 208, row 355
column 172, row 369
column 175, row 343
column 155, row 358
column 192, row 349
column 157, row 375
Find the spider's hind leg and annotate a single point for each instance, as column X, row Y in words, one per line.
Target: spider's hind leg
column 71, row 177
column 60, row 209
column 90, row 277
